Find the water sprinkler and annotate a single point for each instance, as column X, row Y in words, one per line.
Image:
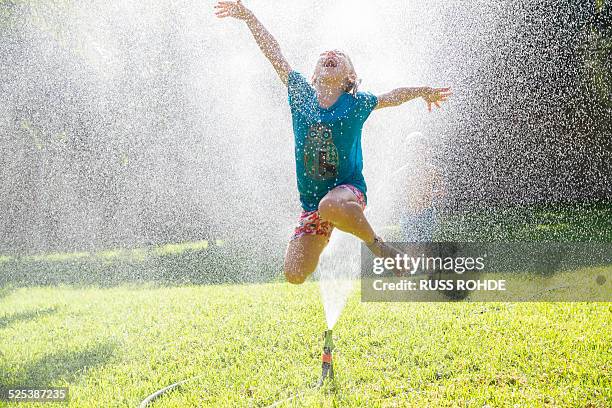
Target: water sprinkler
column 327, row 369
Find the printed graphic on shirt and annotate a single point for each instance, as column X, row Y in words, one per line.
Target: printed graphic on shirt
column 320, row 153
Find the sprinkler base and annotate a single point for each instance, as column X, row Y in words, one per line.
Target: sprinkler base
column 327, row 367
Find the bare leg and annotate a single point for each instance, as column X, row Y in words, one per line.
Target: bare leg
column 302, row 257
column 341, row 208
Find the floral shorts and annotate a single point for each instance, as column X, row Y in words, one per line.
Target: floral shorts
column 310, row 223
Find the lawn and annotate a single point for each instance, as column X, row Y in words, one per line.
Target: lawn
column 115, row 325
column 254, row 345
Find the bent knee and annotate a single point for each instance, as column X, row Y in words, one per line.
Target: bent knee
column 295, row 277
column 298, row 272
column 329, row 207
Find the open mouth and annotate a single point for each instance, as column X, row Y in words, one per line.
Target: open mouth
column 330, row 63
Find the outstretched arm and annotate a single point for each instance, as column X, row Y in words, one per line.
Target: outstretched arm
column 400, row 95
column 267, row 43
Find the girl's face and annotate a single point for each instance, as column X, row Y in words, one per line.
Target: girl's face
column 334, row 66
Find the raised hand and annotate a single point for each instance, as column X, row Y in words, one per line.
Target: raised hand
column 435, row 96
column 266, row 42
column 232, row 9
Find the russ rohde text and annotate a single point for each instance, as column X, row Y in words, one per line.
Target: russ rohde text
column 442, row 284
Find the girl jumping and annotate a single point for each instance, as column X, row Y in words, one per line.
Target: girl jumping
column 328, row 114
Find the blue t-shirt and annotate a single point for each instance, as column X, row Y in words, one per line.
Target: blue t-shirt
column 327, row 141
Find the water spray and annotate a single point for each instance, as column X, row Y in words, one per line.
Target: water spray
column 327, row 368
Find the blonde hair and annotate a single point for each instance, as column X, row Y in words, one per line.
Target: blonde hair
column 352, row 86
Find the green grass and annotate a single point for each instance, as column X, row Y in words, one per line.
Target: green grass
column 218, row 261
column 137, row 254
column 253, row 345
column 138, row 319
column 553, row 223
